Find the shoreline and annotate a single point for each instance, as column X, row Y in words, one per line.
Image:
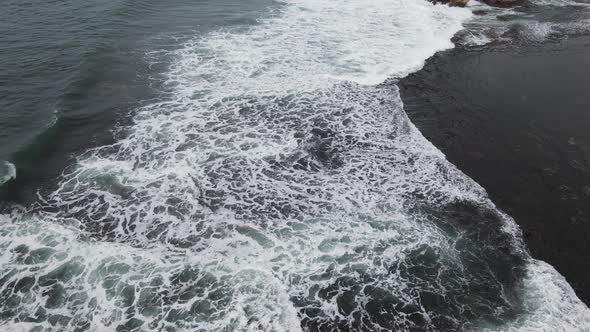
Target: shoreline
column 513, row 119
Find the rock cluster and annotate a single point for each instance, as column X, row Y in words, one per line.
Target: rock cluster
column 495, row 3
column 504, row 3
column 458, row 3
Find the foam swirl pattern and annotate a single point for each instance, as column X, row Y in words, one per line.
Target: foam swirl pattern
column 280, row 187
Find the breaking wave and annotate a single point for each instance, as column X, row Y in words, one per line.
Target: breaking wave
column 7, row 172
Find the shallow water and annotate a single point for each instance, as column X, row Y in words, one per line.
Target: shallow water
column 264, row 179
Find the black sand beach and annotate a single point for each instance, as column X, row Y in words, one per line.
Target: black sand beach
column 517, row 120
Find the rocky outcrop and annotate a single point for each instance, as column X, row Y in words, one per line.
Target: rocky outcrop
column 495, row 3
column 504, row 3
column 458, row 3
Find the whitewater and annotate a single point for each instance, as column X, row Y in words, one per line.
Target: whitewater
column 280, row 186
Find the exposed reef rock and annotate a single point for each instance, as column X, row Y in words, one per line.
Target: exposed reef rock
column 504, row 3
column 495, row 3
column 455, row 3
column 458, row 3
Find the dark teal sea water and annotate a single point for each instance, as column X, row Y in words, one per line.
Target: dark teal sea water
column 249, row 166
column 70, row 70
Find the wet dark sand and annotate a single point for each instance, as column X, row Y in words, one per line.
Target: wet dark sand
column 517, row 120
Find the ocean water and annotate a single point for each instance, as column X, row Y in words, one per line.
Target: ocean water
column 240, row 166
column 535, row 23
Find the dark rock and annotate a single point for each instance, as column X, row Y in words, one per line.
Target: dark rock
column 494, row 3
column 503, row 3
column 458, row 3
column 455, row 3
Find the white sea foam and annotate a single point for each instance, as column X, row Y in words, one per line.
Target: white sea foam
column 7, row 172
column 550, row 303
column 80, row 281
column 523, row 27
column 276, row 171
